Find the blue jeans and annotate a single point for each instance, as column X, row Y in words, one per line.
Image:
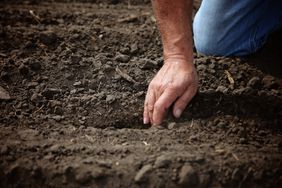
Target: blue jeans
column 235, row 27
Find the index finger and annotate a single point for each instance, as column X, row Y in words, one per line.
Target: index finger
column 162, row 104
column 149, row 106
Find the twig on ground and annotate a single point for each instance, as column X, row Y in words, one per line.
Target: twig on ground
column 89, row 138
column 38, row 110
column 230, row 78
column 192, row 124
column 125, row 76
column 130, row 18
column 36, row 17
column 145, row 143
column 3, row 55
column 235, row 156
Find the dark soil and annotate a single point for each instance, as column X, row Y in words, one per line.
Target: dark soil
column 73, row 80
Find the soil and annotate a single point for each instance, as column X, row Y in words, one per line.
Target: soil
column 73, row 79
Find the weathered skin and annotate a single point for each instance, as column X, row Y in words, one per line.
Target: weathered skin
column 177, row 81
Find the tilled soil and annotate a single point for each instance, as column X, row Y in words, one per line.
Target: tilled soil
column 73, row 81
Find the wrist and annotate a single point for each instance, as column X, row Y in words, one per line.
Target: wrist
column 185, row 57
column 178, row 48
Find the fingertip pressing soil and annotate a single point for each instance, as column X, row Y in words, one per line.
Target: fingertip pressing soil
column 73, row 80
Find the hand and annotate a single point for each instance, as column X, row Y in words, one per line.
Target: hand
column 176, row 81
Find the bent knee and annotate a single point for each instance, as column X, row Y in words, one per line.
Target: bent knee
column 212, row 41
column 206, row 46
column 207, row 38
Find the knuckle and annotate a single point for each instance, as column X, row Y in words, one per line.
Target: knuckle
column 145, row 108
column 150, row 107
column 153, row 85
column 158, row 107
column 173, row 87
column 159, row 87
column 156, row 86
column 182, row 101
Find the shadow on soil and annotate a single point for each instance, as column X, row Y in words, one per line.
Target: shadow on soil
column 208, row 105
column 268, row 59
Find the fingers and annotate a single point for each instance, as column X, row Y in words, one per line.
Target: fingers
column 162, row 104
column 156, row 109
column 184, row 100
column 149, row 106
column 146, row 119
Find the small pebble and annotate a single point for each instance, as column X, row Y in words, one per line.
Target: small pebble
column 171, row 125
column 222, row 89
column 122, row 58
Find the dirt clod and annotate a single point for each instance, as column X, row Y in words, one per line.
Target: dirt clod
column 188, row 177
column 48, row 38
column 4, row 95
column 143, row 173
column 51, row 92
column 254, row 82
column 24, row 70
column 268, row 82
column 162, row 161
column 122, row 58
column 148, row 64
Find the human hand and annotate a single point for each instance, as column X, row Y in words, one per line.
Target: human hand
column 176, row 81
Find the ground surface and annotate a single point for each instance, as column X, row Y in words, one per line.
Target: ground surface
column 73, row 80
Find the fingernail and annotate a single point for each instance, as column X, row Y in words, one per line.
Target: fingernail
column 145, row 121
column 178, row 113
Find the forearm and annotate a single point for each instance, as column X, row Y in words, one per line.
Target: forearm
column 174, row 22
column 176, row 82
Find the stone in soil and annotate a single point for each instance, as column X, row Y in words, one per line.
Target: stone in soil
column 134, row 48
column 268, row 82
column 110, row 98
column 148, row 64
column 162, row 161
column 77, row 84
column 32, row 85
column 122, row 58
column 188, row 177
column 57, row 118
column 254, row 82
column 48, row 38
column 222, row 89
column 36, row 97
column 4, row 94
column 50, row 92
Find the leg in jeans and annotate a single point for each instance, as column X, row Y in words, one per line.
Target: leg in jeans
column 235, row 28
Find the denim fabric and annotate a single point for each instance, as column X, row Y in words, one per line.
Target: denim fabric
column 235, row 27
